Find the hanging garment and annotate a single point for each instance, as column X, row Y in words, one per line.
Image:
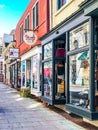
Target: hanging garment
column 60, row 70
column 59, row 81
column 60, row 52
column 61, row 77
column 61, row 87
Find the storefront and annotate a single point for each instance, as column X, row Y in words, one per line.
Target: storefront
column 26, row 73
column 15, row 74
column 31, row 70
column 80, row 33
column 53, row 71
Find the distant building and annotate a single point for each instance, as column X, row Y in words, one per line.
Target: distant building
column 7, row 43
column 1, row 62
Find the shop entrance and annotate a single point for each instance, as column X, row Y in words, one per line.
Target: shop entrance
column 59, row 74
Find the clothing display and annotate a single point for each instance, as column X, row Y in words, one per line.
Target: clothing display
column 59, row 81
column 60, row 52
column 61, row 87
column 61, row 76
column 60, row 70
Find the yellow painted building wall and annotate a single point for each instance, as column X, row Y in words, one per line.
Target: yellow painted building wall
column 57, row 16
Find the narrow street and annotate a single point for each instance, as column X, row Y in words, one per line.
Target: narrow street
column 17, row 113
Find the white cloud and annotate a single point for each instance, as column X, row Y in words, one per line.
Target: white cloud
column 2, row 6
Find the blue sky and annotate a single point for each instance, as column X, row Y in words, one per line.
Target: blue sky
column 10, row 13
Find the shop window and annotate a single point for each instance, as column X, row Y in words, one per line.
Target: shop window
column 28, row 73
column 96, row 31
column 21, row 33
column 79, row 37
column 35, row 16
column 48, row 50
column 79, row 79
column 19, row 74
column 60, row 3
column 23, row 65
column 96, row 80
column 15, row 75
column 35, row 70
column 48, row 79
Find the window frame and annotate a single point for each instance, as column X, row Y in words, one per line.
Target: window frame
column 35, row 15
column 27, row 23
column 21, row 33
column 60, row 3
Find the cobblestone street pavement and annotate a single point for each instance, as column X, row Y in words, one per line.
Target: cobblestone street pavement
column 17, row 113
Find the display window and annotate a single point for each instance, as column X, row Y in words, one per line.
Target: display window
column 79, row 77
column 96, row 80
column 35, row 69
column 15, row 75
column 96, row 31
column 19, row 74
column 79, row 37
column 48, row 50
column 48, row 79
column 28, row 73
column 23, row 65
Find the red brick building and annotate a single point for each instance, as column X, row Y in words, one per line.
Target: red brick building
column 35, row 19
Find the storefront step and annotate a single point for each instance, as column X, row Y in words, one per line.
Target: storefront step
column 95, row 123
column 62, row 107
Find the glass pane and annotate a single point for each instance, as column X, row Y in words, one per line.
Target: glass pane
column 59, row 79
column 96, row 31
column 35, row 72
column 19, row 74
column 23, row 65
column 37, row 14
column 33, row 17
column 79, row 79
column 15, row 75
column 48, row 50
column 79, row 37
column 28, row 73
column 48, row 79
column 96, row 80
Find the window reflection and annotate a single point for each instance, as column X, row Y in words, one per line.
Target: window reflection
column 48, row 79
column 48, row 50
column 79, row 79
column 96, row 80
column 79, row 37
column 35, row 72
column 23, row 73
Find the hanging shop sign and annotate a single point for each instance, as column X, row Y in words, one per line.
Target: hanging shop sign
column 30, row 37
column 13, row 53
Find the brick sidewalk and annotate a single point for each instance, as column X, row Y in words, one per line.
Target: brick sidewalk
column 17, row 113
